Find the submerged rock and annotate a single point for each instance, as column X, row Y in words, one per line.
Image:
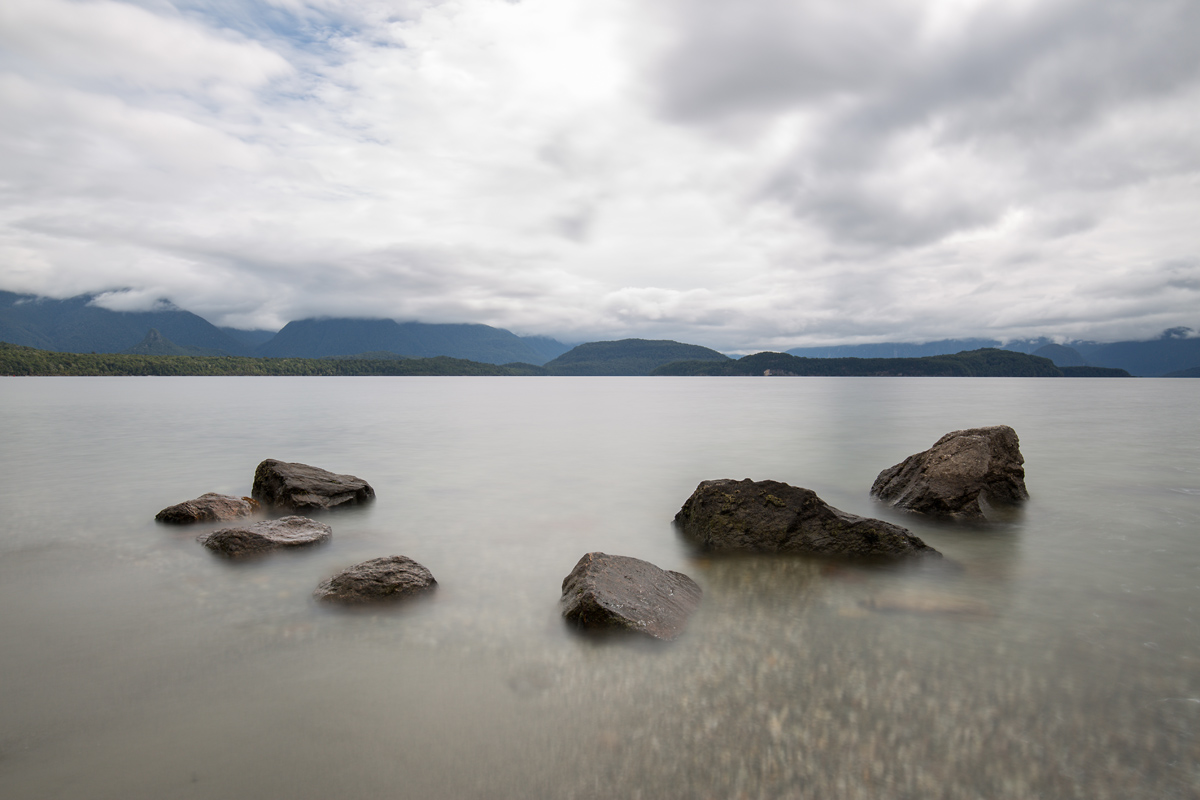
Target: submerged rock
column 948, row 479
column 622, row 593
column 775, row 517
column 210, row 507
column 281, row 484
column 387, row 578
column 267, row 535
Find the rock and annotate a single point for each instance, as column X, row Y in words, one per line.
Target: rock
column 623, row 593
column 388, row 578
column 279, row 484
column 211, row 507
column 948, row 479
column 268, row 535
column 774, row 517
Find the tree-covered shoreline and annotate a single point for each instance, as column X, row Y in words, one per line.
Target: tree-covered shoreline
column 17, row 360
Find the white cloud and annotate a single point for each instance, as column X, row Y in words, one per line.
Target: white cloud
column 749, row 175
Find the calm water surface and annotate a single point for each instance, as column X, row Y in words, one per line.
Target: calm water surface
column 1061, row 658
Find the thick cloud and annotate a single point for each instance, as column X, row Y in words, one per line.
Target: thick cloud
column 743, row 175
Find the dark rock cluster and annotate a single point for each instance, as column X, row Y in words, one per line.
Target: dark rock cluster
column 612, row 592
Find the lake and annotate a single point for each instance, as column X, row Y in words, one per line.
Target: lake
column 1059, row 657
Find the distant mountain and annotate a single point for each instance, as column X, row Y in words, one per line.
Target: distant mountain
column 1194, row 372
column 252, row 338
column 982, row 363
column 908, row 350
column 155, row 344
column 1171, row 352
column 75, row 325
column 317, row 338
column 627, row 357
column 1061, row 355
column 545, row 347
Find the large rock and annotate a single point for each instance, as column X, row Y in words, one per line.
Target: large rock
column 211, row 507
column 280, row 484
column 267, row 535
column 387, row 578
column 773, row 517
column 623, row 593
column 948, row 479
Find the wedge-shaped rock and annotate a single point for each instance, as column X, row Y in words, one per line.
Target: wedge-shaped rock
column 281, row 484
column 774, row 517
column 267, row 535
column 210, row 507
column 387, row 578
column 622, row 593
column 948, row 479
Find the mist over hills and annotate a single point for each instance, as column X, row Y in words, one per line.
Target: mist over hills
column 317, row 338
column 79, row 325
column 1173, row 351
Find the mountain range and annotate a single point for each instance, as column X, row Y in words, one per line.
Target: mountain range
column 1173, row 351
column 79, row 325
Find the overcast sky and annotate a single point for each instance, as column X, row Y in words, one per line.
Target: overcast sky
column 744, row 174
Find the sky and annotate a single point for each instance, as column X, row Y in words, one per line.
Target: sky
column 742, row 174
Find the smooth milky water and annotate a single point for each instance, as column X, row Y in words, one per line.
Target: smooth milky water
column 1061, row 659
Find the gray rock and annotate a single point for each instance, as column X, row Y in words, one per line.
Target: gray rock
column 267, row 535
column 388, row 578
column 774, row 517
column 280, row 484
column 623, row 593
column 210, row 507
column 948, row 479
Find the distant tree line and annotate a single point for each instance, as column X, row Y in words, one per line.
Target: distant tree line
column 20, row 360
column 983, row 363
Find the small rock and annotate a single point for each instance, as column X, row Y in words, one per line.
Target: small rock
column 619, row 592
column 267, row 535
column 948, row 479
column 774, row 517
column 281, row 484
column 388, row 578
column 210, row 507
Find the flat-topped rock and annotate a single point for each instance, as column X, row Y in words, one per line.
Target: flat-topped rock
column 210, row 507
column 606, row 592
column 773, row 517
column 267, row 535
column 380, row 579
column 949, row 479
column 282, row 484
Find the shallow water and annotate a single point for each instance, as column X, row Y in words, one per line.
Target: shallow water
column 1061, row 660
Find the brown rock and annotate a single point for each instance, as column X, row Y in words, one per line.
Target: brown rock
column 388, row 578
column 774, row 517
column 210, row 507
column 281, row 484
column 622, row 593
column 267, row 535
column 948, row 479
